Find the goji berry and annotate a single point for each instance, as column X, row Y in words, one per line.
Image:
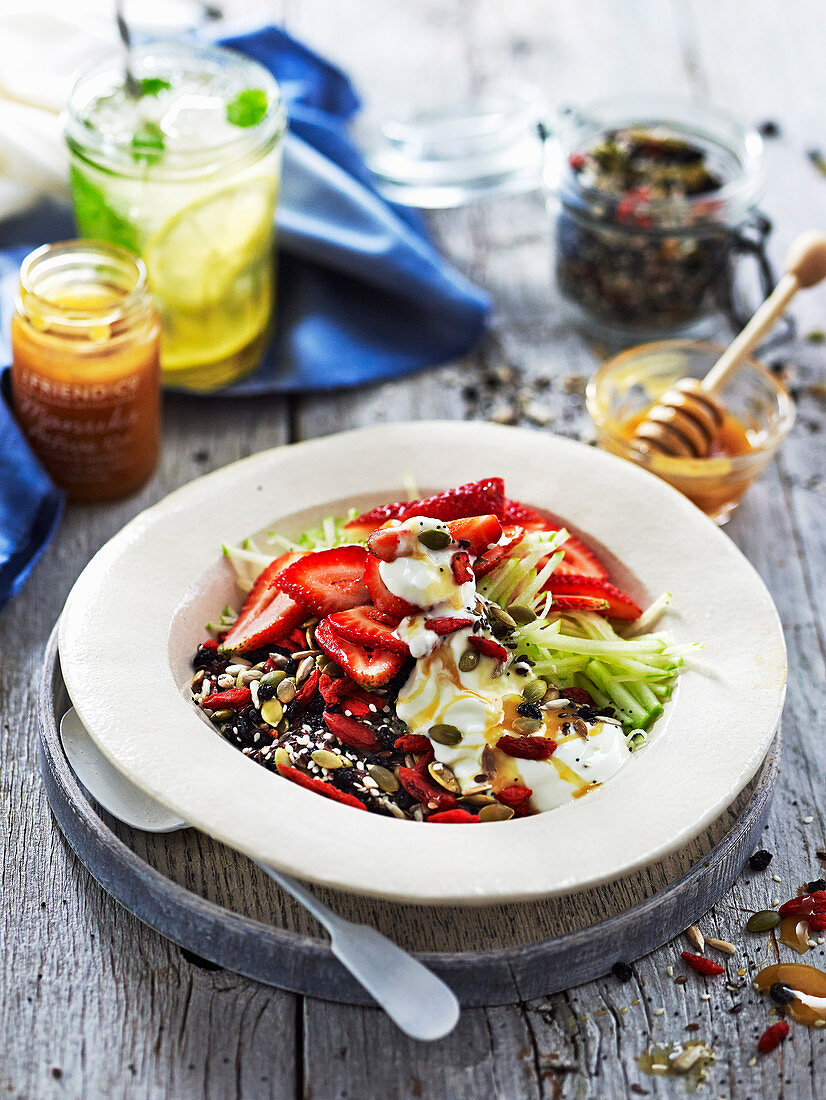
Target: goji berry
column 579, row 696
column 514, row 795
column 460, row 567
column 424, row 761
column 333, row 691
column 352, row 733
column 447, row 624
column 308, row 688
column 527, row 748
column 702, row 965
column 360, row 702
column 234, row 699
column 296, row 639
column 423, row 791
column 488, row 647
column 414, row 743
column 773, row 1036
column 453, row 817
column 321, row 787
column 806, row 905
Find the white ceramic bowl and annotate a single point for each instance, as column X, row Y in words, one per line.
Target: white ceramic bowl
column 137, row 612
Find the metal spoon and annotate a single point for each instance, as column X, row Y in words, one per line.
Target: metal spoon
column 412, row 996
column 132, row 87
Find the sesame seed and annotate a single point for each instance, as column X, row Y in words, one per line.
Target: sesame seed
column 776, row 878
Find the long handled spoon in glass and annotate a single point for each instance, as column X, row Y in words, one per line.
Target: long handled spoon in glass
column 412, row 996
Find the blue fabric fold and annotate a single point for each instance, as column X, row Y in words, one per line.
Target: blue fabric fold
column 30, row 506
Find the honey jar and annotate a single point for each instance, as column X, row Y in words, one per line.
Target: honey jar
column 85, row 368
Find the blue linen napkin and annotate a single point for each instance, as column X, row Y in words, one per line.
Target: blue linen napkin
column 30, row 506
column 362, row 293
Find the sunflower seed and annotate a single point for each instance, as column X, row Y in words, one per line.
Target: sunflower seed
column 444, row 777
column 721, row 945
column 198, row 679
column 496, row 812
column 304, row 669
column 326, row 759
column 384, row 778
column 444, row 734
column 478, row 788
column 489, row 766
column 247, row 677
column 238, row 666
column 279, row 660
column 695, row 938
column 301, row 654
column 286, row 691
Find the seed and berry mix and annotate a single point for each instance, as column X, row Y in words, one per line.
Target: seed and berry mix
column 406, row 668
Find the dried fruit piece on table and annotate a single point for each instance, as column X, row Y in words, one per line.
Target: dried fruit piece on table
column 453, row 817
column 320, row 786
column 424, row 791
column 702, row 965
column 414, row 743
column 527, row 748
column 773, row 1036
column 234, row 699
column 352, row 732
column 460, row 567
column 447, row 624
column 488, row 647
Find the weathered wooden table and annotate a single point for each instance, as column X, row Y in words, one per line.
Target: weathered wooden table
column 94, row 1004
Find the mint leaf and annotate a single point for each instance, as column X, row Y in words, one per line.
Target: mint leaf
column 248, row 107
column 148, row 143
column 153, row 85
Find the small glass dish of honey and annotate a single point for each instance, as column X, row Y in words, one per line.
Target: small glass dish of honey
column 759, row 415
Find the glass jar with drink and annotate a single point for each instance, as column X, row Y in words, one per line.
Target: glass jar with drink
column 185, row 173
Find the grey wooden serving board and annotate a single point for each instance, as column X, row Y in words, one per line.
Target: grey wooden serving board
column 228, row 912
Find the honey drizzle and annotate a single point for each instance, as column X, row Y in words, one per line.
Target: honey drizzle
column 807, row 983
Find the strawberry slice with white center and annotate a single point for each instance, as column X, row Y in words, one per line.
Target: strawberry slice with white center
column 326, row 581
column 368, row 667
column 479, row 532
column 369, row 627
column 616, row 605
column 477, row 498
column 492, row 557
column 579, row 561
column 381, row 595
column 387, row 542
column 268, row 613
column 362, row 525
column 514, row 513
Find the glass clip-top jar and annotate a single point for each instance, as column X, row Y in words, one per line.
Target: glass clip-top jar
column 654, row 202
column 186, row 175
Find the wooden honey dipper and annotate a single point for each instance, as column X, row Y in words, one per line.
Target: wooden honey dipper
column 686, row 419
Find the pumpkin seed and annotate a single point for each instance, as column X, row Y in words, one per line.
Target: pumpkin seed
column 384, row 777
column 468, row 661
column 326, row 759
column 282, row 758
column 444, row 777
column 496, row 812
column 444, row 734
column 333, row 671
column 223, row 715
column 435, row 538
column 272, row 712
column 527, row 725
column 763, row 921
column 522, row 614
column 304, row 669
column 534, row 691
column 286, row 691
column 322, row 661
column 272, row 679
column 500, row 618
column 478, row 800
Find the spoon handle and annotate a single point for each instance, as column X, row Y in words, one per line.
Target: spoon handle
column 418, row 1002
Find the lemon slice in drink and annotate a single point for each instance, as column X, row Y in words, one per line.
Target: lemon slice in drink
column 194, row 258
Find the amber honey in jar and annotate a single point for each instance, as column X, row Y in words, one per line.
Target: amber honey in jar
column 86, row 369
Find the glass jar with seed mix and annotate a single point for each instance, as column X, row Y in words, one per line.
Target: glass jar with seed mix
column 186, row 175
column 85, row 367
column 653, row 201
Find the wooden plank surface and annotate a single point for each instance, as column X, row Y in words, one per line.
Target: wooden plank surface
column 92, row 1003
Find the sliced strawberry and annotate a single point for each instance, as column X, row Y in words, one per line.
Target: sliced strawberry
column 362, row 525
column 579, row 603
column 619, row 606
column 368, row 626
column 479, row 532
column 327, row 581
column 514, row 512
column 477, row 498
column 385, row 543
column 370, row 668
column 460, row 567
column 491, row 558
column 381, row 595
column 268, row 614
column 579, row 561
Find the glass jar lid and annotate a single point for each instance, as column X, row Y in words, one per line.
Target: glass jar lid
column 728, row 153
column 454, row 153
column 200, row 110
